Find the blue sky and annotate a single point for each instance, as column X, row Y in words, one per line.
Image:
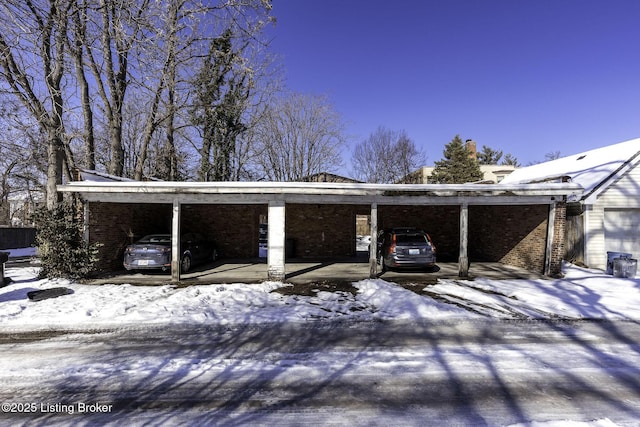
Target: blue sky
column 528, row 77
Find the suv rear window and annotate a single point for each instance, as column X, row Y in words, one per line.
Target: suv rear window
column 410, row 239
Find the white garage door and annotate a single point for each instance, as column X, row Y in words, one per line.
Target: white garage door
column 622, row 231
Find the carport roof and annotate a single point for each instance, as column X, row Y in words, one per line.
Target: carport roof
column 321, row 192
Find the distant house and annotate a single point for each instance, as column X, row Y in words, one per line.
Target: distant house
column 328, row 177
column 97, row 176
column 491, row 174
column 606, row 218
column 21, row 206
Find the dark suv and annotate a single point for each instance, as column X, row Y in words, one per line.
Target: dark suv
column 405, row 247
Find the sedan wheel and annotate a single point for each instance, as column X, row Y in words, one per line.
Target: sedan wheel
column 185, row 264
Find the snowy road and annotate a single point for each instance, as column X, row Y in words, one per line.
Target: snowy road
column 464, row 372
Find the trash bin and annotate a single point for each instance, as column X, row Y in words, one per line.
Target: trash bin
column 262, row 250
column 611, row 256
column 625, row 267
column 4, row 257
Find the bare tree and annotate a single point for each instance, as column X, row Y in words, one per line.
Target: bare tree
column 79, row 66
column 77, row 38
column 299, row 135
column 386, row 156
column 553, row 155
column 33, row 37
column 22, row 164
column 112, row 30
column 176, row 17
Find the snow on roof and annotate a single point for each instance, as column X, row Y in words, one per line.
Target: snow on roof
column 96, row 176
column 591, row 169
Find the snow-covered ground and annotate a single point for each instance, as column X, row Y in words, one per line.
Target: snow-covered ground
column 581, row 294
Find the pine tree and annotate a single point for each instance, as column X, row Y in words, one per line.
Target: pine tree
column 489, row 156
column 222, row 89
column 458, row 166
column 510, row 160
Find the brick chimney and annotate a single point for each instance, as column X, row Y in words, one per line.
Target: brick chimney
column 470, row 145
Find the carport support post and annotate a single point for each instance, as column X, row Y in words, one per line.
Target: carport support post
column 550, row 237
column 373, row 247
column 175, row 242
column 463, row 258
column 276, row 240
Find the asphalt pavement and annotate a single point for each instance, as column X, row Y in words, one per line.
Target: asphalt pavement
column 480, row 372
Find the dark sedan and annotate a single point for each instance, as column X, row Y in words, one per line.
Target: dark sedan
column 154, row 252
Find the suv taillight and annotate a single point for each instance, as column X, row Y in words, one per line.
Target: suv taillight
column 392, row 246
column 433, row 247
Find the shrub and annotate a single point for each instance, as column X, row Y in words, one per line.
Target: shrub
column 63, row 250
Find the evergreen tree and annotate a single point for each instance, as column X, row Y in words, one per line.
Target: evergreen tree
column 60, row 239
column 222, row 89
column 510, row 160
column 458, row 166
column 489, row 156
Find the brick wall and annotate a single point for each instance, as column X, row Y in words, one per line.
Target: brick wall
column 441, row 222
column 234, row 228
column 559, row 239
column 115, row 225
column 514, row 235
column 322, row 230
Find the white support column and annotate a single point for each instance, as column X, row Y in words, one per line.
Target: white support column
column 373, row 249
column 551, row 228
column 463, row 257
column 175, row 242
column 276, row 241
column 86, row 218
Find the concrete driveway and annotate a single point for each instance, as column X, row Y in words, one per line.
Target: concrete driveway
column 308, row 271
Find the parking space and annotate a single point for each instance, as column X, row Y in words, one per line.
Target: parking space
column 309, row 271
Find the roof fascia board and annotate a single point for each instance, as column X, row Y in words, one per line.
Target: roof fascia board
column 259, row 193
column 175, row 188
column 592, row 197
column 315, row 198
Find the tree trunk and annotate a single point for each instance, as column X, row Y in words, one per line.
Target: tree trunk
column 116, row 166
column 205, row 162
column 55, row 160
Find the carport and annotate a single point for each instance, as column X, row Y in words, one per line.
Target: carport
column 498, row 210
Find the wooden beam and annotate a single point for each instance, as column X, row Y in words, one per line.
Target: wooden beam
column 328, row 193
column 253, row 199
